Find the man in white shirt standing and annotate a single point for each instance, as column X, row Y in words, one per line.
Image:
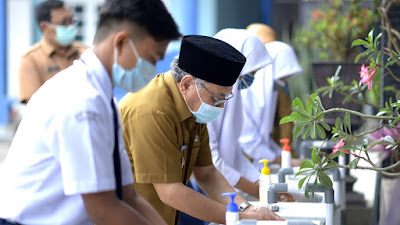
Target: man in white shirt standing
column 67, row 163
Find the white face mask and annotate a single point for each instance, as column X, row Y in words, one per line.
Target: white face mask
column 206, row 113
column 135, row 79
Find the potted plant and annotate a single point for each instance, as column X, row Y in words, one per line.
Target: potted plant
column 328, row 34
column 327, row 38
column 309, row 118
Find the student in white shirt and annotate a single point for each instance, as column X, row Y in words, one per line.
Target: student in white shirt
column 61, row 167
column 260, row 100
column 224, row 132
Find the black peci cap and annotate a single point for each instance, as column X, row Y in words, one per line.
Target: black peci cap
column 210, row 59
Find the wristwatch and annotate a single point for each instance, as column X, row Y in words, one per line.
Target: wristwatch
column 243, row 206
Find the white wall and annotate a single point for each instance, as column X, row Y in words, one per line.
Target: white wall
column 88, row 16
column 19, row 37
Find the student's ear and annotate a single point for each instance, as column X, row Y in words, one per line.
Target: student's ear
column 119, row 39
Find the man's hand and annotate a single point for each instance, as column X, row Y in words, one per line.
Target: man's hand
column 259, row 213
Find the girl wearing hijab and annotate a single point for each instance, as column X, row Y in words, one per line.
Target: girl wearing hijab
column 260, row 101
column 225, row 131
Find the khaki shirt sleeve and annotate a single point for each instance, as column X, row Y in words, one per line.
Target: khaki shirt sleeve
column 29, row 79
column 153, row 145
column 204, row 156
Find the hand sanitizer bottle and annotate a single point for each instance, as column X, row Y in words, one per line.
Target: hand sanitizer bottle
column 232, row 212
column 265, row 181
column 286, row 154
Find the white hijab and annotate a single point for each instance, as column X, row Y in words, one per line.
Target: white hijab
column 225, row 130
column 249, row 45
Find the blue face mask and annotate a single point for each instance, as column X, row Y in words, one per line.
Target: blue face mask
column 65, row 35
column 206, row 113
column 246, row 81
column 135, row 79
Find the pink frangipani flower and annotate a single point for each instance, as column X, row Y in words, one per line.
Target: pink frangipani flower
column 367, row 75
column 364, row 74
column 338, row 145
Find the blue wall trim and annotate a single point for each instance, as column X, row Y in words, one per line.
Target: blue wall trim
column 190, row 14
column 4, row 104
column 266, row 11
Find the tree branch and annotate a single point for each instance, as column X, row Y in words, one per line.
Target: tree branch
column 355, row 113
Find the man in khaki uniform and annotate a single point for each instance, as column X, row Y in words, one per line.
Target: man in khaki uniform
column 55, row 52
column 165, row 132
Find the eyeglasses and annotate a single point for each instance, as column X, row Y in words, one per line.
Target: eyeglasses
column 218, row 101
column 66, row 22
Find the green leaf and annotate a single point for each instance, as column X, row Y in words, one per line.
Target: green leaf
column 303, row 171
column 338, row 70
column 365, row 143
column 315, row 157
column 371, row 36
column 359, row 42
column 347, row 122
column 297, row 102
column 353, row 164
column 306, row 191
column 306, row 132
column 298, row 131
column 376, row 40
column 313, row 153
column 303, row 112
column 313, row 130
column 358, row 57
column 287, row 119
column 395, row 121
column 301, row 123
column 320, row 131
column 389, row 139
column 310, row 103
column 321, row 89
column 324, row 180
column 306, row 164
column 314, row 186
column 325, row 125
column 390, row 63
column 348, row 147
column 301, row 182
column 336, row 155
column 338, row 123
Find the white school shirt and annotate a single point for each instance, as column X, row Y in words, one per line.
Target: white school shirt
column 63, row 148
column 260, row 101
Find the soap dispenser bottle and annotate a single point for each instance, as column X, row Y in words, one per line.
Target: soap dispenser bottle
column 286, row 154
column 265, row 181
column 232, row 212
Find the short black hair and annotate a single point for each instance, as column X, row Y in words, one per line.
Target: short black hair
column 151, row 15
column 43, row 10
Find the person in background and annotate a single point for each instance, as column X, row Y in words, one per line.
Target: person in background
column 54, row 52
column 67, row 163
column 266, row 102
column 164, row 127
column 225, row 131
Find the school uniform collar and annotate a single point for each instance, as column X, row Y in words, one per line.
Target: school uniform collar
column 95, row 66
